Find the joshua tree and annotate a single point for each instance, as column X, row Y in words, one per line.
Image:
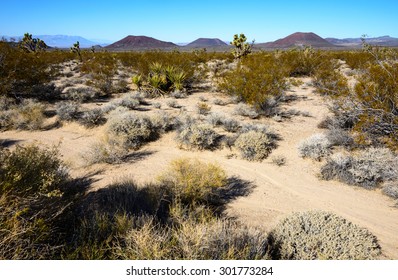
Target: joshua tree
column 32, row 45
column 76, row 49
column 242, row 48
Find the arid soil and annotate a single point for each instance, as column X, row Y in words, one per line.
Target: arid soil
column 277, row 190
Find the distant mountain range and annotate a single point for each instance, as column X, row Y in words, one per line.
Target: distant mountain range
column 61, row 41
column 143, row 42
column 381, row 41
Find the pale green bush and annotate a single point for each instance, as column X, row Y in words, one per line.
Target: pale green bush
column 321, row 235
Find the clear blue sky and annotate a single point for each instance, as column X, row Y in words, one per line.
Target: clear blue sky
column 184, row 21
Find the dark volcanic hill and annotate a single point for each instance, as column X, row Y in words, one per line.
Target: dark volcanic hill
column 140, row 42
column 206, row 42
column 299, row 39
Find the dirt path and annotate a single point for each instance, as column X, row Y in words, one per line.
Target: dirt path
column 279, row 191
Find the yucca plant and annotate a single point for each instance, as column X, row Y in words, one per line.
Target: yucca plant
column 157, row 84
column 156, row 68
column 177, row 78
column 137, row 80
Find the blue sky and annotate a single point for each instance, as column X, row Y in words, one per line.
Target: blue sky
column 184, row 21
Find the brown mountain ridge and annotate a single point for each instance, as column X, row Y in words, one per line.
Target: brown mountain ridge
column 206, row 42
column 140, row 42
column 298, row 39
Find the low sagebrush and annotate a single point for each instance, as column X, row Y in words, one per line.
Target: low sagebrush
column 321, row 235
column 197, row 136
column 254, row 145
column 367, row 168
column 315, row 147
column 67, row 111
column 129, row 130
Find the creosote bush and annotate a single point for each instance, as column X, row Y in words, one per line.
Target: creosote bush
column 321, row 235
column 33, row 197
column 255, row 79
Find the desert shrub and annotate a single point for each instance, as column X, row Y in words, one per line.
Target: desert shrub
column 203, row 108
column 219, row 102
column 217, row 239
column 178, row 94
column 104, row 152
column 254, row 145
column 193, row 181
column 330, row 82
column 197, row 136
column 67, row 111
column 301, row 62
column 101, row 67
column 33, row 199
column 321, row 235
column 215, row 119
column 172, row 104
column 92, row 118
column 31, row 170
column 256, row 78
column 230, row 125
column 262, row 129
column 80, row 94
column 278, row 160
column 129, row 130
column 376, row 100
column 315, row 147
column 128, row 100
column 368, row 168
column 6, row 103
column 23, row 72
column 391, row 189
column 340, row 137
column 28, row 115
column 245, row 110
column 162, row 121
column 157, row 105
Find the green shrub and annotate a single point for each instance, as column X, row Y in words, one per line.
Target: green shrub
column 255, row 79
column 33, row 197
column 321, row 235
column 301, row 62
column 331, row 83
column 30, row 170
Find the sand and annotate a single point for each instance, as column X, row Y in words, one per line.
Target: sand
column 278, row 191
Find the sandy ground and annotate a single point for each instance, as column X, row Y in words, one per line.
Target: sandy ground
column 278, row 191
